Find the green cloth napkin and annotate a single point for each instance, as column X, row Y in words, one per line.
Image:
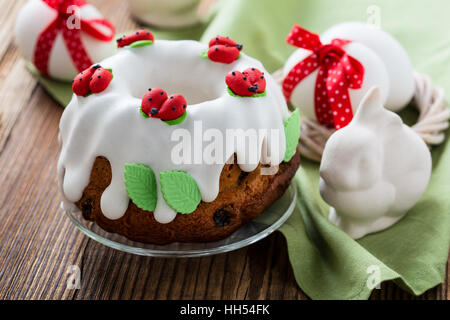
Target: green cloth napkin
column 326, row 262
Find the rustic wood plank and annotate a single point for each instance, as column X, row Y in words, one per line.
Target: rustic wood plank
column 7, row 15
column 13, row 97
column 12, row 104
column 38, row 243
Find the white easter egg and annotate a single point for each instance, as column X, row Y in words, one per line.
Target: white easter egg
column 374, row 74
column 391, row 52
column 35, row 16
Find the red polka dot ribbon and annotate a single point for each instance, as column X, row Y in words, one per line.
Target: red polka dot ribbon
column 338, row 72
column 71, row 36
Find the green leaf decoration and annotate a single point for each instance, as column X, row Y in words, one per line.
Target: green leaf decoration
column 140, row 182
column 180, row 191
column 292, row 133
column 256, row 95
column 177, row 120
column 143, row 114
column 141, row 43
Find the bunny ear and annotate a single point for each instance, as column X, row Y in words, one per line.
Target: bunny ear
column 371, row 105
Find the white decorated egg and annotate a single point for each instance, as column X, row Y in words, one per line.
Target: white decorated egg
column 36, row 15
column 390, row 51
column 375, row 73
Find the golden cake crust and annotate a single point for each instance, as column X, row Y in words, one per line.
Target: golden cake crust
column 242, row 197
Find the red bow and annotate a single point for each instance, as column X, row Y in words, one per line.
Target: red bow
column 337, row 72
column 71, row 37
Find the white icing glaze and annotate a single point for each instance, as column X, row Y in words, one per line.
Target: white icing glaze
column 373, row 170
column 375, row 74
column 109, row 124
column 393, row 55
column 35, row 16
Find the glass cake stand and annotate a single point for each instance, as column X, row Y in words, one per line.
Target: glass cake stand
column 259, row 228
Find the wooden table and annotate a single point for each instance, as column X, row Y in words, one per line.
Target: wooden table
column 38, row 243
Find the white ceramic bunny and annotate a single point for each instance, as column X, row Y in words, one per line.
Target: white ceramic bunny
column 374, row 170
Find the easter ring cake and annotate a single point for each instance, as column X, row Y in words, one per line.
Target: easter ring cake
column 176, row 141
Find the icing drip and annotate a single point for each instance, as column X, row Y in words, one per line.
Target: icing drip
column 109, row 124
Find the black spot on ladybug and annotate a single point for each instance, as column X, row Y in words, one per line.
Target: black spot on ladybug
column 99, row 77
column 226, row 45
column 171, row 97
column 217, row 38
column 96, row 66
column 90, row 79
column 81, row 79
column 150, row 99
column 161, row 93
column 262, row 77
column 184, row 107
column 253, row 69
column 245, row 78
column 149, row 89
column 137, row 33
column 233, row 73
column 253, row 88
column 153, row 111
column 174, row 108
column 221, row 218
column 217, row 49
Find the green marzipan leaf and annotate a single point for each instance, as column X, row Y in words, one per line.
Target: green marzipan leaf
column 177, row 120
column 141, row 43
column 292, row 133
column 140, row 182
column 143, row 114
column 256, row 95
column 180, row 191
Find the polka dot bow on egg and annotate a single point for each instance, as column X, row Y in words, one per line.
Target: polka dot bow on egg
column 71, row 37
column 338, row 72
